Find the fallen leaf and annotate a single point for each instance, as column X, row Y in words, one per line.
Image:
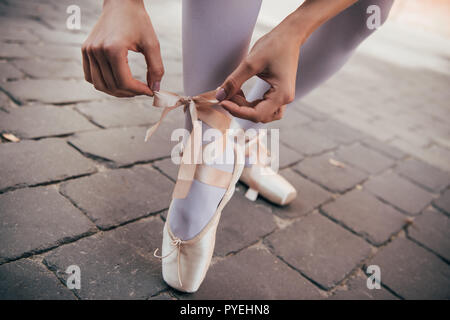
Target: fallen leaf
column 10, row 137
column 336, row 163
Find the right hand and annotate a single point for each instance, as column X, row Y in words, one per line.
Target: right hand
column 123, row 25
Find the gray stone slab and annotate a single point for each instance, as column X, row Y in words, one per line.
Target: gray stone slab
column 9, row 72
column 61, row 37
column 288, row 156
column 52, row 91
column 54, row 52
column 168, row 168
column 111, row 268
column 119, row 112
column 13, row 50
column 399, row 192
column 253, row 274
column 309, row 196
column 306, row 141
column 43, row 121
column 366, row 215
column 35, row 162
column 443, row 202
column 364, row 158
column 413, row 272
column 114, row 197
column 334, row 178
column 237, row 228
column 35, row 219
column 356, row 289
column 383, row 148
column 432, row 229
column 336, row 131
column 320, row 249
column 40, row 69
column 123, row 146
column 427, row 176
column 30, row 280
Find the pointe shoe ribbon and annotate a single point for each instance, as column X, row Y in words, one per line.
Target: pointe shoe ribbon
column 200, row 108
column 176, row 243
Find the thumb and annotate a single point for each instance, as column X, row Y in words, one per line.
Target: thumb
column 235, row 80
column 155, row 68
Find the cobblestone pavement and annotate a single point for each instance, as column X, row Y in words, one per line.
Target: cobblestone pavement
column 82, row 188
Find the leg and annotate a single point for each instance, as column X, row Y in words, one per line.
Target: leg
column 329, row 48
column 216, row 35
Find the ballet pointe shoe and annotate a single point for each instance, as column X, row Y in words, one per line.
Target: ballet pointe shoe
column 186, row 262
column 263, row 180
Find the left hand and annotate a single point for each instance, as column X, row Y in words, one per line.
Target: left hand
column 273, row 58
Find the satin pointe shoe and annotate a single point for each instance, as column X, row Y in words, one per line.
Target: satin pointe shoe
column 186, row 262
column 262, row 179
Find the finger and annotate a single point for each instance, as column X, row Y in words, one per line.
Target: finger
column 104, row 69
column 242, row 112
column 155, row 67
column 117, row 57
column 233, row 83
column 107, row 74
column 86, row 67
column 96, row 75
column 278, row 115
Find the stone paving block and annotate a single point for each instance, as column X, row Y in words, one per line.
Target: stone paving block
column 336, row 131
column 306, row 141
column 61, row 37
column 412, row 271
column 328, row 252
column 30, row 280
column 167, row 167
column 123, row 146
column 364, row 158
column 118, row 113
column 9, row 72
column 43, row 161
column 110, row 268
column 356, row 289
column 13, row 50
column 38, row 68
column 309, row 196
column 443, row 202
column 399, row 192
column 253, row 273
column 366, row 216
column 54, row 52
column 10, row 34
column 431, row 229
column 383, row 148
column 52, row 91
column 113, row 197
column 427, row 176
column 334, row 178
column 35, row 219
column 144, row 235
column 288, row 156
column 242, row 223
column 291, row 119
column 43, row 121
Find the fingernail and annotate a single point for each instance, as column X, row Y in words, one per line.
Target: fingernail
column 155, row 86
column 221, row 94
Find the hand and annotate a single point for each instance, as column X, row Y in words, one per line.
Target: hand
column 273, row 58
column 123, row 25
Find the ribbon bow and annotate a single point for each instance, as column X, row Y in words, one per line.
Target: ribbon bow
column 200, row 108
